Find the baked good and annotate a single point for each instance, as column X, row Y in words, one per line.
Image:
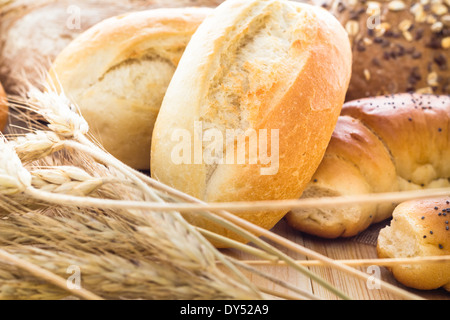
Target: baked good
column 3, row 109
column 398, row 45
column 33, row 32
column 383, row 144
column 271, row 65
column 419, row 229
column 118, row 71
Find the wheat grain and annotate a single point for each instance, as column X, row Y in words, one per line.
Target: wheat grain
column 37, row 145
column 14, row 178
column 46, row 275
column 58, row 110
column 74, row 188
column 67, row 180
column 188, row 247
column 129, row 258
column 176, row 241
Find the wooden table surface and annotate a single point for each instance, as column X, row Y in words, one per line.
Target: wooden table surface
column 361, row 247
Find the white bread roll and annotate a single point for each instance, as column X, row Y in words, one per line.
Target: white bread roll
column 34, row 32
column 419, row 229
column 3, row 109
column 268, row 64
column 118, row 71
column 384, row 144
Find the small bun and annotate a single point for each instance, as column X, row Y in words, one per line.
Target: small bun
column 398, row 46
column 419, row 229
column 3, row 109
column 118, row 71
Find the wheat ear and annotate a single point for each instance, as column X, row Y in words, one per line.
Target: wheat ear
column 17, row 180
column 130, row 257
column 37, row 145
column 45, row 275
column 68, row 180
column 63, row 120
column 68, row 130
column 14, row 178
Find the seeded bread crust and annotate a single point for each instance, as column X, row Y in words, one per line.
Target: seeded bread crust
column 406, row 50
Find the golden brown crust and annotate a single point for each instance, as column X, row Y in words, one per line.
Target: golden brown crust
column 383, row 144
column 355, row 143
column 356, row 162
column 406, row 50
column 128, row 34
column 294, row 81
column 3, row 109
column 423, row 227
column 117, row 73
column 415, row 129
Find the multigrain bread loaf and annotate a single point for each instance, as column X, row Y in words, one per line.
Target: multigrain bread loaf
column 118, row 71
column 3, row 109
column 33, row 32
column 398, row 45
column 419, row 229
column 384, row 144
column 252, row 66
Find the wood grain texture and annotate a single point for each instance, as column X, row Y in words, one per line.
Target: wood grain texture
column 340, row 249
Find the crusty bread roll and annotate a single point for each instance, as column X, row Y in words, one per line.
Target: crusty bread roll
column 383, row 144
column 3, row 109
column 34, row 32
column 118, row 71
column 419, row 229
column 269, row 64
column 398, row 45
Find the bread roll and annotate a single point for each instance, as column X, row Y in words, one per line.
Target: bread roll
column 272, row 65
column 34, row 32
column 383, row 144
column 3, row 109
column 419, row 229
column 398, row 45
column 118, row 71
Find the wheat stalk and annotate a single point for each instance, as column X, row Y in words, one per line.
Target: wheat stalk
column 17, row 180
column 235, row 224
column 245, row 229
column 359, row 262
column 76, row 233
column 130, row 258
column 68, row 126
column 41, row 273
column 274, row 205
column 86, row 202
column 62, row 116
